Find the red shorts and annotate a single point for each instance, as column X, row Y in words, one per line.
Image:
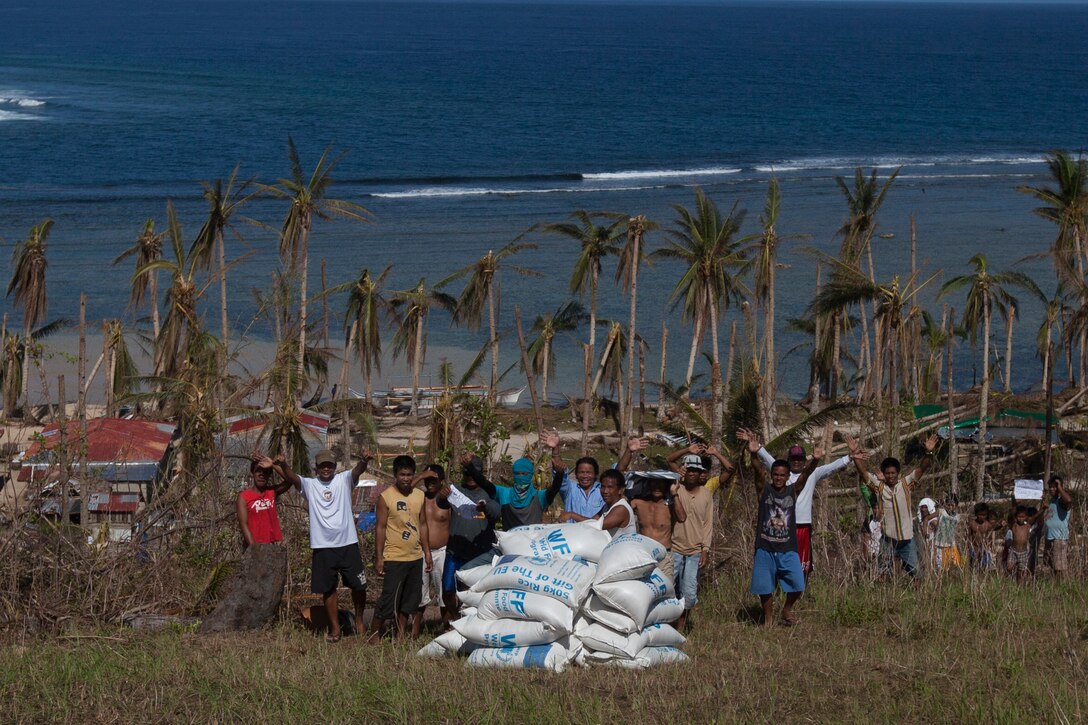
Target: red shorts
column 804, row 547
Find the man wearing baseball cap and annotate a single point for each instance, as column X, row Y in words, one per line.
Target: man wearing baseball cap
column 333, row 536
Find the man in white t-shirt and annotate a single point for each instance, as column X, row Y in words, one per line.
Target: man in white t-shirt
column 803, row 511
column 333, row 536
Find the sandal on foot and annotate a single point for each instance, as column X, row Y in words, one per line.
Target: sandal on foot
column 333, row 638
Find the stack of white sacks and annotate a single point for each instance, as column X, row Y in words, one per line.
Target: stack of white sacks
column 546, row 602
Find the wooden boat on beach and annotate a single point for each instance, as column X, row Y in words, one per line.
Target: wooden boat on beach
column 399, row 399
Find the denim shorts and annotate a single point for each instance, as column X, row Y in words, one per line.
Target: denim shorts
column 771, row 569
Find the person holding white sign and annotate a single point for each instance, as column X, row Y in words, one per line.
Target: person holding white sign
column 1057, row 526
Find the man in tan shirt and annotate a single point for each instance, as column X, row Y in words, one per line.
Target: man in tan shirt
column 691, row 536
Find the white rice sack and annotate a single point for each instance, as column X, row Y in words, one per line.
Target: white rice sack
column 665, row 611
column 506, row 632
column 563, row 579
column 648, row 657
column 600, row 638
column 468, row 577
column 598, row 611
column 628, row 556
column 554, row 657
column 448, row 644
column 563, row 541
column 661, row 635
column 635, row 598
column 469, row 598
column 518, row 604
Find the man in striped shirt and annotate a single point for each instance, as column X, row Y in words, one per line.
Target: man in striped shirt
column 894, row 494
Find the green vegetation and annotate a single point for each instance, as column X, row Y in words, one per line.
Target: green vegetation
column 964, row 651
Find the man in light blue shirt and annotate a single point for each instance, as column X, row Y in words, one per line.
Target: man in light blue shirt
column 1057, row 526
column 581, row 495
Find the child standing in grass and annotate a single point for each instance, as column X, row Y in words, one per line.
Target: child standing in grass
column 1018, row 541
column 980, row 538
column 944, row 538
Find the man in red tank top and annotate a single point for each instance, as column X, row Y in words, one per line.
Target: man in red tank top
column 256, row 505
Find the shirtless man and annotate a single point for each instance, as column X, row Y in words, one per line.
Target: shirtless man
column 657, row 514
column 433, row 478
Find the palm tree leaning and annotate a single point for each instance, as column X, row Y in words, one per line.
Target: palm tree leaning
column 366, row 306
column 224, row 200
column 597, row 241
column 706, row 243
column 863, row 201
column 1066, row 206
column 631, row 258
column 410, row 338
column 308, row 199
column 985, row 291
column 480, row 290
column 147, row 249
column 27, row 283
column 541, row 351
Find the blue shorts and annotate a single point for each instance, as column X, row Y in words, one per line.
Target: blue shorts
column 454, row 565
column 771, row 568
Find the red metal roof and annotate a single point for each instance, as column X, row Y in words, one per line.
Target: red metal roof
column 109, row 440
column 113, row 502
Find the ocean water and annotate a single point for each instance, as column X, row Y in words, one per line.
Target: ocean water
column 466, row 124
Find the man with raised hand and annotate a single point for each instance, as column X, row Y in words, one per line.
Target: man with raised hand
column 894, row 495
column 333, row 535
column 775, row 563
column 795, row 459
column 581, row 495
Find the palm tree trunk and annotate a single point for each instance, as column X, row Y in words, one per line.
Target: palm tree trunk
column 877, row 369
column 587, row 403
column 836, row 363
column 1008, row 349
column 300, row 368
column 980, row 483
column 631, row 340
column 417, row 364
column 612, row 335
column 111, row 371
column 1046, row 352
column 695, row 339
column 770, row 365
column 223, row 288
column 729, row 356
column 26, row 371
column 45, row 388
column 641, row 390
column 664, row 356
column 349, row 347
column 153, row 282
column 544, row 371
column 953, row 458
column 715, row 375
column 494, row 340
column 587, row 368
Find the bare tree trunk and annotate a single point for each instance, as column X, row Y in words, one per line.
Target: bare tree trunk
column 111, row 371
column 980, row 483
column 612, row 335
column 494, row 336
column 729, row 359
column 915, row 322
column 153, row 282
column 836, row 365
column 715, row 377
column 664, row 355
column 1008, row 348
column 530, row 379
column 84, row 494
column 417, row 364
column 953, row 460
column 1048, row 379
column 641, row 390
column 636, row 243
column 349, row 348
column 587, row 403
column 770, row 364
column 696, row 336
column 26, row 372
column 300, row 367
column 544, row 371
column 223, row 288
column 587, row 366
column 50, row 411
column 876, row 373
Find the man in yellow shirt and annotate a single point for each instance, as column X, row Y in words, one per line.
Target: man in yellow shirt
column 402, row 549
